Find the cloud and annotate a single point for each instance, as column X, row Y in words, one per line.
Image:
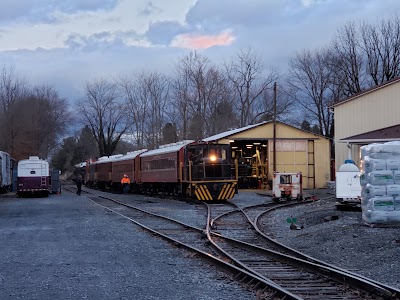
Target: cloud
column 58, row 20
column 117, row 36
column 162, row 33
column 226, row 13
column 308, row 3
column 195, row 41
column 149, row 9
column 41, row 11
column 104, row 40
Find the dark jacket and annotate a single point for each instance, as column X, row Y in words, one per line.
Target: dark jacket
column 79, row 180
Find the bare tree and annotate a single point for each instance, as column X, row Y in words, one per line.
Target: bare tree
column 197, row 86
column 220, row 113
column 382, row 49
column 53, row 118
column 279, row 107
column 105, row 114
column 75, row 149
column 42, row 118
column 12, row 90
column 347, row 60
column 156, row 87
column 86, row 145
column 311, row 81
column 248, row 80
column 146, row 94
column 132, row 92
column 169, row 133
column 178, row 108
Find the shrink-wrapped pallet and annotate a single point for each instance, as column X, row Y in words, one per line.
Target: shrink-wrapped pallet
column 373, row 164
column 397, row 203
column 370, row 191
column 380, row 181
column 396, row 177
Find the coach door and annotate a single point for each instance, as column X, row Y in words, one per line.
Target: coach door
column 43, row 174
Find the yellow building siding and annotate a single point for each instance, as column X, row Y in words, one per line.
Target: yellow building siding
column 368, row 112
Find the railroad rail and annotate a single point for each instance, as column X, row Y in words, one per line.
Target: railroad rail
column 237, row 235
column 241, row 251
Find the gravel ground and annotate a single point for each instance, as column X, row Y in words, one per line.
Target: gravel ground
column 71, row 249
column 66, row 247
column 346, row 242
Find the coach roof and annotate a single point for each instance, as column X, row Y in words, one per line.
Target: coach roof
column 167, row 148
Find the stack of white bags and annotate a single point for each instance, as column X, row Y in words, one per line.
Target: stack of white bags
column 380, row 183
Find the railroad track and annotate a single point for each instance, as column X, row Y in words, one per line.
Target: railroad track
column 237, row 235
column 191, row 238
column 271, row 274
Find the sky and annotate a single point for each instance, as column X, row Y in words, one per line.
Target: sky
column 65, row 44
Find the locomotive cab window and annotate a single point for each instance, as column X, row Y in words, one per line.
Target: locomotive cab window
column 209, row 161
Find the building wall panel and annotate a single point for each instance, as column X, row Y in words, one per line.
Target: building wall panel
column 375, row 110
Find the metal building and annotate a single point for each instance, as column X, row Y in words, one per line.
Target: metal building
column 296, row 151
column 369, row 117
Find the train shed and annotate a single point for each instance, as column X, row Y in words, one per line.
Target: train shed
column 297, row 150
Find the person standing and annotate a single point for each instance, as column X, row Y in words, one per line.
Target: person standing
column 79, row 184
column 126, row 183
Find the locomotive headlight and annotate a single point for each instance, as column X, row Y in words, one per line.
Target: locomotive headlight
column 213, row 158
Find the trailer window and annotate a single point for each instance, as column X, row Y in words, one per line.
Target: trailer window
column 285, row 179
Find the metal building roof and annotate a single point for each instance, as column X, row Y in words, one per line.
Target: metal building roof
column 370, row 90
column 383, row 134
column 231, row 132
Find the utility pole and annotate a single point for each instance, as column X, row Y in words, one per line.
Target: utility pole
column 274, row 140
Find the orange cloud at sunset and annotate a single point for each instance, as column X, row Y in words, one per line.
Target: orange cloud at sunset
column 194, row 41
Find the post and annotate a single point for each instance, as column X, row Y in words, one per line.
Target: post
column 274, row 137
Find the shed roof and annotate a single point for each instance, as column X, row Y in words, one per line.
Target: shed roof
column 391, row 133
column 231, row 132
column 373, row 89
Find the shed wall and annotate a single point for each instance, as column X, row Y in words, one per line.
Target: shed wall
column 375, row 110
column 311, row 155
